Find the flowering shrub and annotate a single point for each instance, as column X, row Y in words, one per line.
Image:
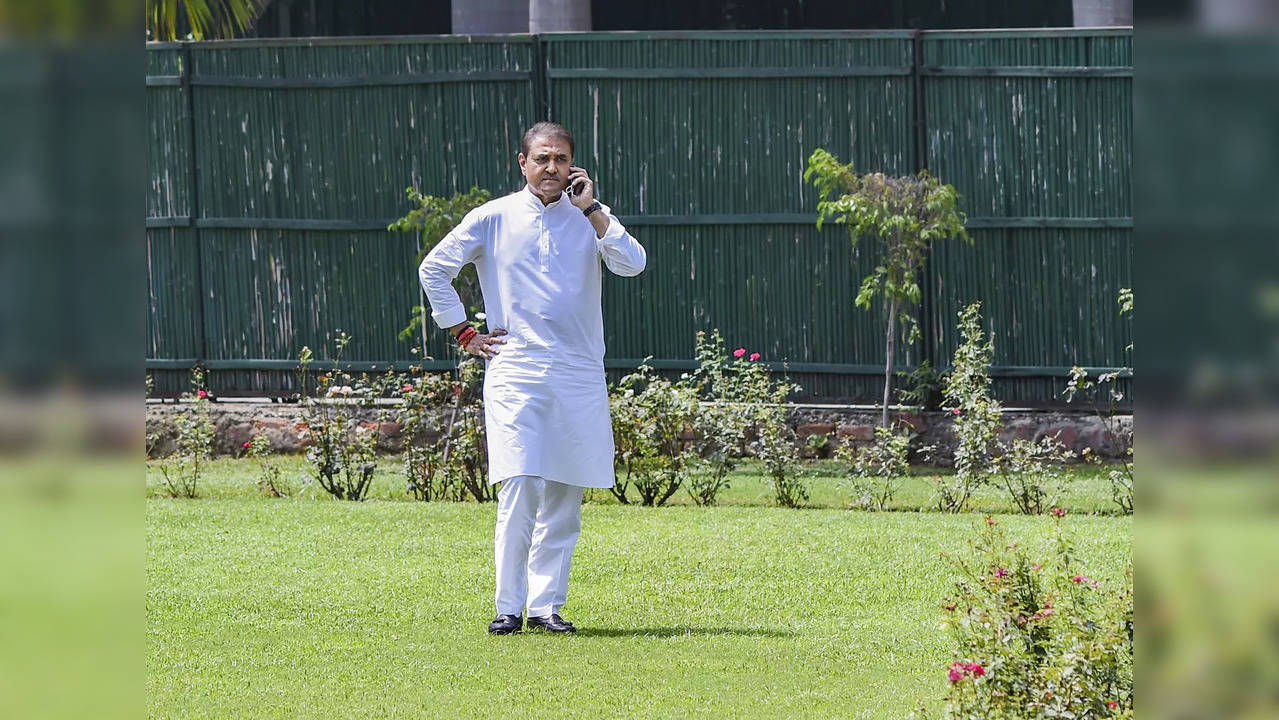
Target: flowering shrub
column 442, row 421
column 182, row 470
column 775, row 441
column 977, row 415
column 270, row 483
column 720, row 424
column 1031, row 473
column 876, row 468
column 341, row 456
column 1081, row 385
column 1037, row 639
column 650, row 415
column 466, row 460
column 422, row 397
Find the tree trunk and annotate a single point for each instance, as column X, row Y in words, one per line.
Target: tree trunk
column 489, row 17
column 888, row 363
column 1102, row 13
column 559, row 15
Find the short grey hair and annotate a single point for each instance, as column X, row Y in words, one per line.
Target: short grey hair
column 548, row 129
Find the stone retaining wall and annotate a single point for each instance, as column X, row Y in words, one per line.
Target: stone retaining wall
column 284, row 425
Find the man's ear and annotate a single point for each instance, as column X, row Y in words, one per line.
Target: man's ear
column 520, row 158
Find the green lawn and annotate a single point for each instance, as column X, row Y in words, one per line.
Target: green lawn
column 288, row 608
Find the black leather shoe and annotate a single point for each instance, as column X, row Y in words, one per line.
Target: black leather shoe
column 551, row 623
column 506, row 624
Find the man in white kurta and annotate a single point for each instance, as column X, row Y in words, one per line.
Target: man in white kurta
column 539, row 254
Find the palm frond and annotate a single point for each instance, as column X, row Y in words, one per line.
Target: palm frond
column 205, row 19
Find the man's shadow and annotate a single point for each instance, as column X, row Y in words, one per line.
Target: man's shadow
column 666, row 632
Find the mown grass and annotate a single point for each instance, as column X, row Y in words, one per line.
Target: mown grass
column 263, row 608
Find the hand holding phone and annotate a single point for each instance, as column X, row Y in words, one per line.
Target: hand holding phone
column 580, row 188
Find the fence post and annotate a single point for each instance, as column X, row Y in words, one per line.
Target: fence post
column 927, row 346
column 541, row 85
column 193, row 188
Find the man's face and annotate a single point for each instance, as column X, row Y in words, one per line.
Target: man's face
column 546, row 165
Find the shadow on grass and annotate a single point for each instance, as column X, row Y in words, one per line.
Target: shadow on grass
column 665, row 632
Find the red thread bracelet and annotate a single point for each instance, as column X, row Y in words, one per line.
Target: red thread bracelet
column 465, row 336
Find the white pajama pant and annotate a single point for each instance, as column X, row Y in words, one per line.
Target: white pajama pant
column 538, row 522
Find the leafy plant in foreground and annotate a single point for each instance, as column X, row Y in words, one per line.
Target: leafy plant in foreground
column 1037, row 639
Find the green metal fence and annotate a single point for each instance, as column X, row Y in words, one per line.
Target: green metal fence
column 276, row 165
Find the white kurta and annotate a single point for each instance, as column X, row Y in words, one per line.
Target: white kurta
column 545, row 398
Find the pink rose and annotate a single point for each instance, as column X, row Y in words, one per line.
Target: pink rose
column 246, row 444
column 754, row 357
column 956, row 673
column 1058, row 512
column 739, row 352
column 976, row 669
column 406, row 388
column 1001, row 573
column 955, row 411
column 202, row 394
column 1112, row 704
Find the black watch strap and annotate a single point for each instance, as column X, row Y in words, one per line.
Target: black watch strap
column 591, row 208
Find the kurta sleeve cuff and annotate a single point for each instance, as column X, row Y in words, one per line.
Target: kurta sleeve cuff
column 622, row 253
column 450, row 317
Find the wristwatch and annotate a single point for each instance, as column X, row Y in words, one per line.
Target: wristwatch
column 591, row 208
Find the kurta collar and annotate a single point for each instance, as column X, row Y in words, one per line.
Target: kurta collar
column 528, row 193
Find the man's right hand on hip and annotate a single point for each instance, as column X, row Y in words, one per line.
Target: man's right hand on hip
column 486, row 345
